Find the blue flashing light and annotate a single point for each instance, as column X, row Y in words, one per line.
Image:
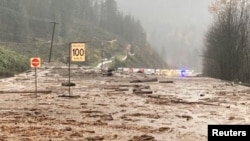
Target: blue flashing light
column 183, row 72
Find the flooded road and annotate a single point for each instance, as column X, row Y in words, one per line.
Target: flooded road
column 109, row 109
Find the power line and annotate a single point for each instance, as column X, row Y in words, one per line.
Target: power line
column 24, row 16
column 29, row 43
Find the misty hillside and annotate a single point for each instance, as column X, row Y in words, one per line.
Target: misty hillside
column 175, row 28
column 27, row 26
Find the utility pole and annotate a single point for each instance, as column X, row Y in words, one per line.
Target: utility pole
column 102, row 60
column 52, row 39
column 102, row 56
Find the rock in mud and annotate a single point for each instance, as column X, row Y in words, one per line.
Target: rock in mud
column 143, row 138
column 96, row 138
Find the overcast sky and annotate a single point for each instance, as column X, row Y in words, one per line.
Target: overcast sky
column 177, row 25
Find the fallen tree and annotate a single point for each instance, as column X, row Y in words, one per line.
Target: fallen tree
column 26, row 91
column 144, row 80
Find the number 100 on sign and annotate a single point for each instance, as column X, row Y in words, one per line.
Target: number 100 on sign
column 77, row 52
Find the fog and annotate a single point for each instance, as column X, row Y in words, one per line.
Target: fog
column 175, row 28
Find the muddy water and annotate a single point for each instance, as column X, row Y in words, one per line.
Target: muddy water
column 106, row 109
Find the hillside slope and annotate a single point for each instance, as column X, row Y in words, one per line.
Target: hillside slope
column 108, row 33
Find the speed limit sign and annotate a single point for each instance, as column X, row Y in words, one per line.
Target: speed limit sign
column 77, row 52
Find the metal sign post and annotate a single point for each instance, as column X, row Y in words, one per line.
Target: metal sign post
column 69, row 68
column 76, row 54
column 36, row 80
column 35, row 63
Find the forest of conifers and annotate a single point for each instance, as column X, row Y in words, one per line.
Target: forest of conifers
column 19, row 20
column 227, row 42
column 27, row 25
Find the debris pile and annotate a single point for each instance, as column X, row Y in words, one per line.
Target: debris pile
column 119, row 107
